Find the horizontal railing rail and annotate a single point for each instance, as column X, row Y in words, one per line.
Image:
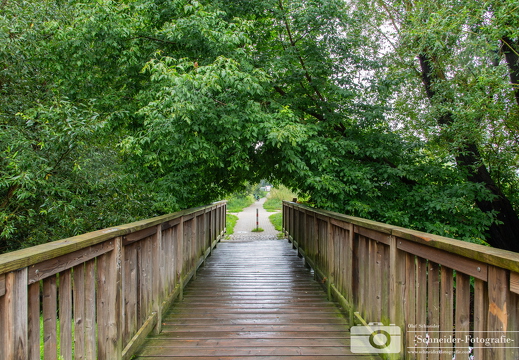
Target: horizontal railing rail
column 448, row 297
column 98, row 295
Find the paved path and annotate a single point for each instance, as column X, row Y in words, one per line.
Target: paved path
column 247, row 222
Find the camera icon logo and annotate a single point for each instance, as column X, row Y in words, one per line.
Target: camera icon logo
column 376, row 338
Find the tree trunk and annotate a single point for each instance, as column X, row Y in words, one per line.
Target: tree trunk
column 511, row 48
column 503, row 233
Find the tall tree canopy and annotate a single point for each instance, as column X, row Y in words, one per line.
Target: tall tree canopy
column 399, row 111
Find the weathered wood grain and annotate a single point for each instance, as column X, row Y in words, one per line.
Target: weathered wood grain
column 382, row 237
column 480, row 315
column 51, row 267
column 14, row 315
column 2, row 284
column 467, row 266
column 397, row 294
column 109, row 282
column 410, row 300
column 33, row 325
column 158, row 277
column 50, row 306
column 514, row 282
column 139, row 235
column 79, row 311
column 421, row 297
column 65, row 314
column 130, row 292
column 447, row 310
column 462, row 311
column 501, row 258
column 498, row 310
column 89, row 311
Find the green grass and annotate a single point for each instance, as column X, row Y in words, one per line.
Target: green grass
column 277, row 220
column 257, row 230
column 58, row 337
column 276, row 196
column 237, row 204
column 230, row 222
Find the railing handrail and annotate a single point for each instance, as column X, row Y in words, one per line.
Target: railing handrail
column 505, row 259
column 100, row 294
column 411, row 279
column 32, row 255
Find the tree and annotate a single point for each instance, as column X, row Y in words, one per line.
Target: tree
column 298, row 82
column 457, row 60
column 153, row 106
column 65, row 90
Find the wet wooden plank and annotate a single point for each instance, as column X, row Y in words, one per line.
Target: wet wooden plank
column 242, row 343
column 252, row 299
column 251, row 351
column 297, row 357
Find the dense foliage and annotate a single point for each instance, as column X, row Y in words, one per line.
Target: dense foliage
column 401, row 111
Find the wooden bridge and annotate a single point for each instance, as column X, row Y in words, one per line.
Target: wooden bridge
column 104, row 294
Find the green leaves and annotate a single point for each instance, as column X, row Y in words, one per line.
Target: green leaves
column 112, row 111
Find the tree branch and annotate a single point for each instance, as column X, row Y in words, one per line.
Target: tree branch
column 10, row 193
column 512, row 60
column 301, row 60
column 503, row 233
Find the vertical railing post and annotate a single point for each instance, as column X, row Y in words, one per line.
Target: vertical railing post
column 193, row 240
column 109, row 306
column 397, row 263
column 180, row 256
column 157, row 276
column 65, row 314
column 116, row 297
column 283, row 217
column 480, row 314
column 331, row 265
column 223, row 217
column 33, row 334
column 14, row 315
column 498, row 310
column 348, row 264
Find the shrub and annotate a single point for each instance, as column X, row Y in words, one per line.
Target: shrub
column 276, row 196
column 237, row 204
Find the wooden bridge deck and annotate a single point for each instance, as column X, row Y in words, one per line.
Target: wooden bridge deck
column 252, row 299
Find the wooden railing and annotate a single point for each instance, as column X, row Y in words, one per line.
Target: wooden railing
column 431, row 287
column 97, row 295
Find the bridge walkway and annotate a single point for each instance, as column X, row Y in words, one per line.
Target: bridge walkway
column 253, row 298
